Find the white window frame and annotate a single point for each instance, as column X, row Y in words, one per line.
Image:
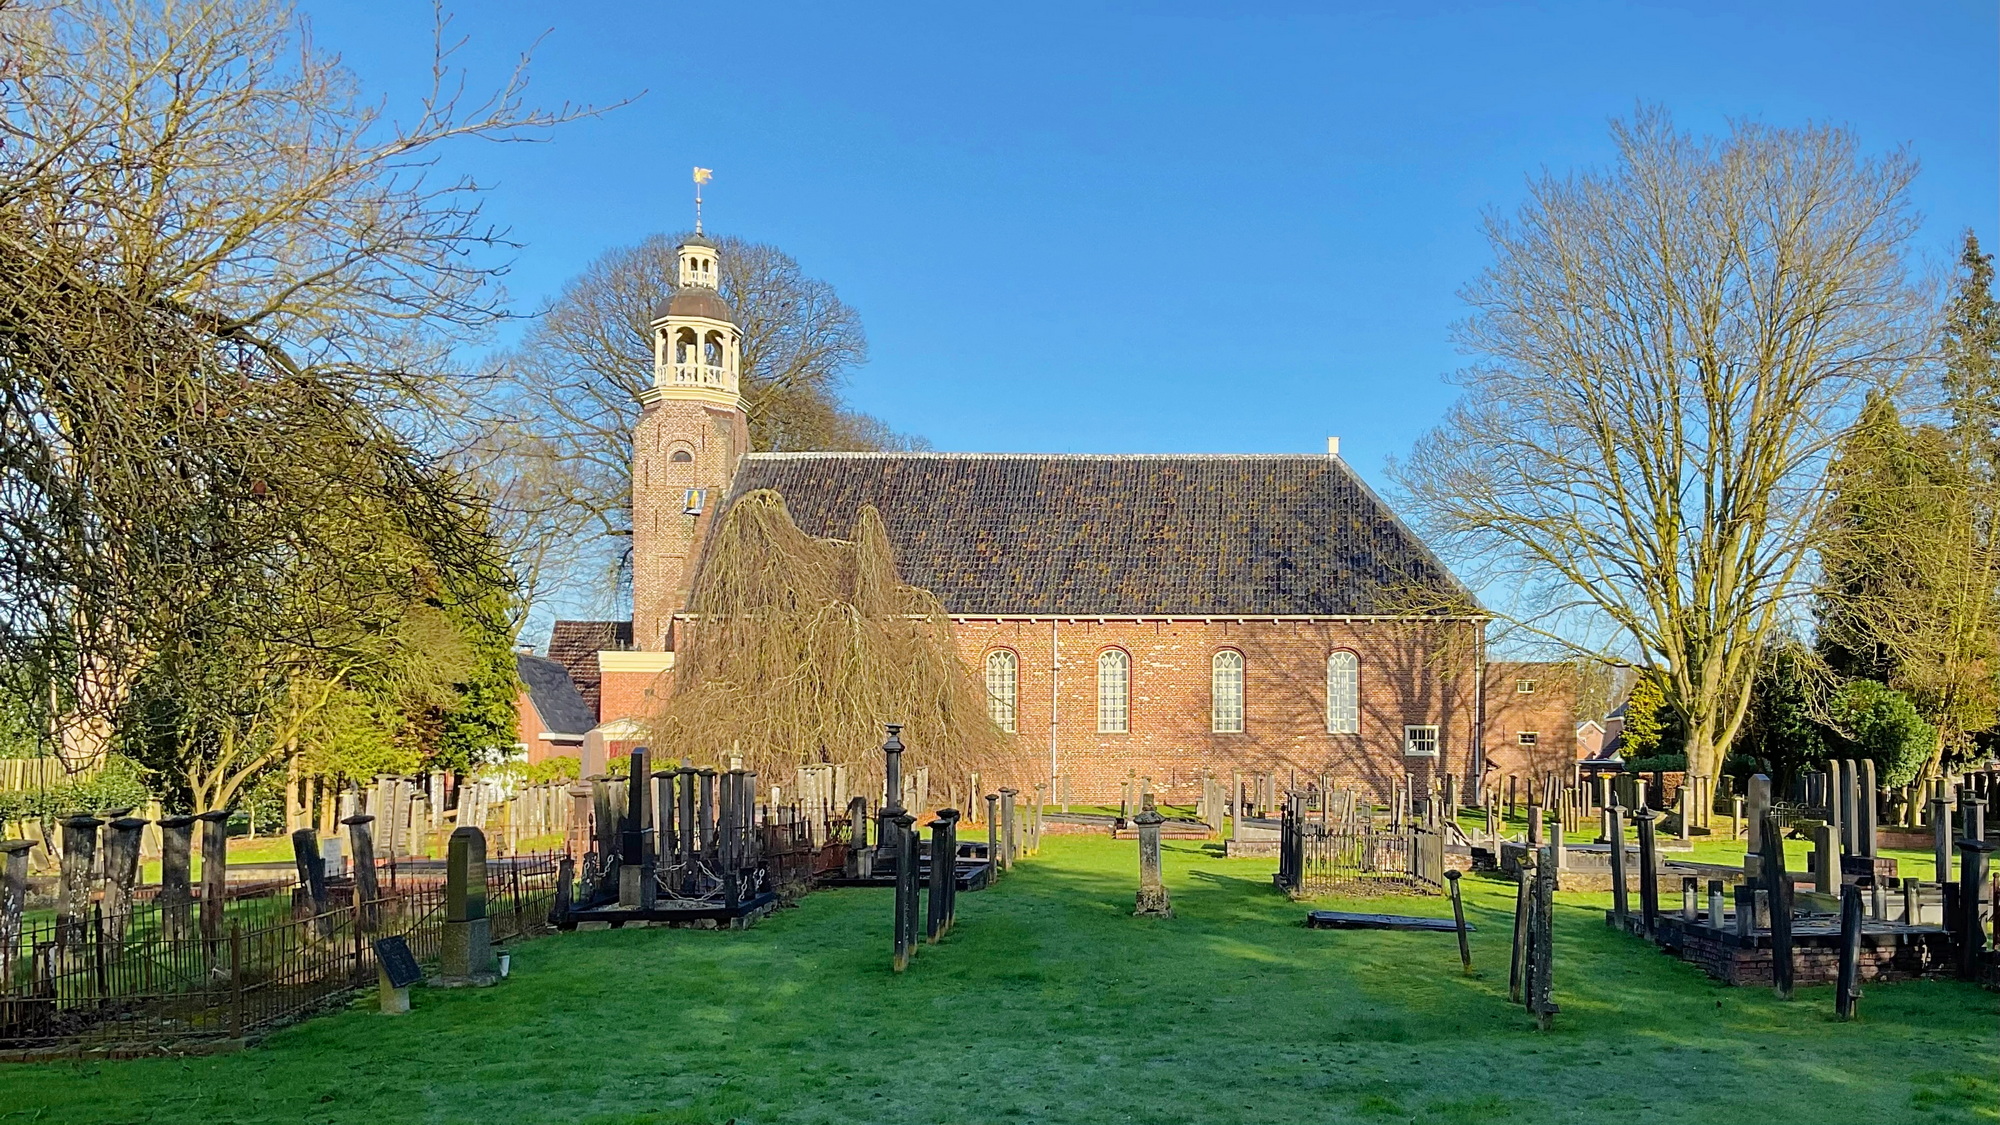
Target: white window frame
column 1003, row 688
column 1114, row 691
column 1420, row 741
column 1525, row 687
column 1225, row 692
column 1527, row 738
column 1343, row 692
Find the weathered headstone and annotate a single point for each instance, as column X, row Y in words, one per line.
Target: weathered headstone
column 367, row 892
column 1970, row 935
column 1837, row 812
column 1649, row 871
column 944, row 873
column 1847, row 984
column 1825, row 858
column 13, row 901
column 1152, row 900
column 1760, row 803
column 1868, row 807
column 908, row 889
column 1009, row 828
column 78, row 876
column 465, row 951
column 993, row 865
column 121, row 872
column 1458, row 921
column 1912, row 901
column 1615, row 820
column 1778, row 883
column 176, row 894
column 1717, row 908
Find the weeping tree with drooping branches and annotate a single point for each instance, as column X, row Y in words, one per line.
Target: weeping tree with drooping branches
column 796, row 650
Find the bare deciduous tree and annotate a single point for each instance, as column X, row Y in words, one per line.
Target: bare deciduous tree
column 1669, row 350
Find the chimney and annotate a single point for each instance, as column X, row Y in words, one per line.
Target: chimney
column 1333, row 447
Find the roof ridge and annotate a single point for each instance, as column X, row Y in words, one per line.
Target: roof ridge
column 833, row 454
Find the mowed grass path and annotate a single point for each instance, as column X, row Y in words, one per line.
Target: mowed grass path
column 1051, row 1003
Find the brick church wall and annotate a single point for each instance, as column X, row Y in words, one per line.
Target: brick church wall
column 1549, row 711
column 1409, row 673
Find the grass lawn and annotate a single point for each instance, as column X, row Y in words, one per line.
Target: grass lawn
column 1051, row 1003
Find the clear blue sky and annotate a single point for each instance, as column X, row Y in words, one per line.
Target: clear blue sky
column 1155, row 228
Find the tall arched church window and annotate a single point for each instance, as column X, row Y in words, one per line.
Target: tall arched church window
column 1343, row 693
column 1114, row 691
column 1003, row 677
column 1225, row 692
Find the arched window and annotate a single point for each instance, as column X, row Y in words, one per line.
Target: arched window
column 712, row 353
column 684, row 346
column 1114, row 691
column 1003, row 678
column 1225, row 692
column 681, row 455
column 1343, row 694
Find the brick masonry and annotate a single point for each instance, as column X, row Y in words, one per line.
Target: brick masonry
column 664, row 536
column 1410, row 673
column 1548, row 711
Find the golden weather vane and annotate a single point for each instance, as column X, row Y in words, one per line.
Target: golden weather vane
column 701, row 176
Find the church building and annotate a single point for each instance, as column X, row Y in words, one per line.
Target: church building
column 1130, row 615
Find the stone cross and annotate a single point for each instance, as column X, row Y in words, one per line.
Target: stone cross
column 1152, row 898
column 465, row 952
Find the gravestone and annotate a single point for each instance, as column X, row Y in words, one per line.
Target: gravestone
column 1615, row 819
column 1868, row 805
column 78, row 877
column 1717, row 907
column 465, row 951
column 1152, row 899
column 1837, row 814
column 944, row 873
column 1778, row 884
column 121, row 872
column 176, row 894
column 1825, row 857
column 1649, row 871
column 1970, row 935
column 1009, row 827
column 1760, row 803
column 13, row 901
column 992, row 837
column 1847, row 982
column 396, row 970
column 908, row 889
column 361, row 838
column 887, row 846
column 1941, row 828
column 214, row 871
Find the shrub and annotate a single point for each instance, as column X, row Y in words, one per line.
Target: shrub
column 1881, row 723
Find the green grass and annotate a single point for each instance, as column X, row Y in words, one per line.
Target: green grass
column 1051, row 1003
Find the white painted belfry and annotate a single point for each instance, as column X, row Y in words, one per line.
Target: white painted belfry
column 697, row 348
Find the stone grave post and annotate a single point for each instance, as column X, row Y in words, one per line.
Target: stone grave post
column 635, row 860
column 13, row 901
column 1760, row 802
column 666, row 819
column 704, row 812
column 1746, row 909
column 1451, row 875
column 311, row 864
column 1717, row 907
column 1868, row 798
column 1534, row 820
column 1541, row 949
column 1690, row 899
column 214, row 872
column 907, row 889
column 1847, row 986
column 79, row 863
column 1685, row 798
column 1614, row 816
column 1009, row 843
column 121, row 871
column 888, row 847
column 1972, row 817
column 1649, row 870
column 361, row 838
column 465, row 952
column 992, row 837
column 1878, row 900
column 1825, row 857
column 1836, row 810
column 944, row 874
column 1941, row 828
column 1152, row 900
column 1971, row 888
column 1912, row 904
column 176, row 896
column 1778, row 882
column 1524, row 895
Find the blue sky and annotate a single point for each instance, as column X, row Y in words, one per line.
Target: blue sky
column 1164, row 227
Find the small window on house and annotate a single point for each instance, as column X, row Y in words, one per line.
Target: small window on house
column 1524, row 687
column 1420, row 742
column 1003, row 670
column 1529, row 738
column 1225, row 691
column 1114, row 691
column 682, row 455
column 1343, row 693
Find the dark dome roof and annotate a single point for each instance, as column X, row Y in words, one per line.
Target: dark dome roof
column 699, row 240
column 695, row 301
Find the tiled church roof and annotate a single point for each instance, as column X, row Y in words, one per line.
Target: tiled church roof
column 1123, row 535
column 575, row 644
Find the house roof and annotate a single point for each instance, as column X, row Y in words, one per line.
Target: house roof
column 575, row 645
column 555, row 697
column 1123, row 535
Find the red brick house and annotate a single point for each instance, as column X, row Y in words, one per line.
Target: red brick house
column 1157, row 615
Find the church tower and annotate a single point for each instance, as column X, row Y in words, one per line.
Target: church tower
column 691, row 433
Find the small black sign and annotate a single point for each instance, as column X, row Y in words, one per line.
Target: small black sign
column 393, row 953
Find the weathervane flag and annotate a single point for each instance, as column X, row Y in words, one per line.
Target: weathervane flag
column 701, row 176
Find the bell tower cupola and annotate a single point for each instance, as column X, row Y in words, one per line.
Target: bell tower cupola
column 692, row 431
